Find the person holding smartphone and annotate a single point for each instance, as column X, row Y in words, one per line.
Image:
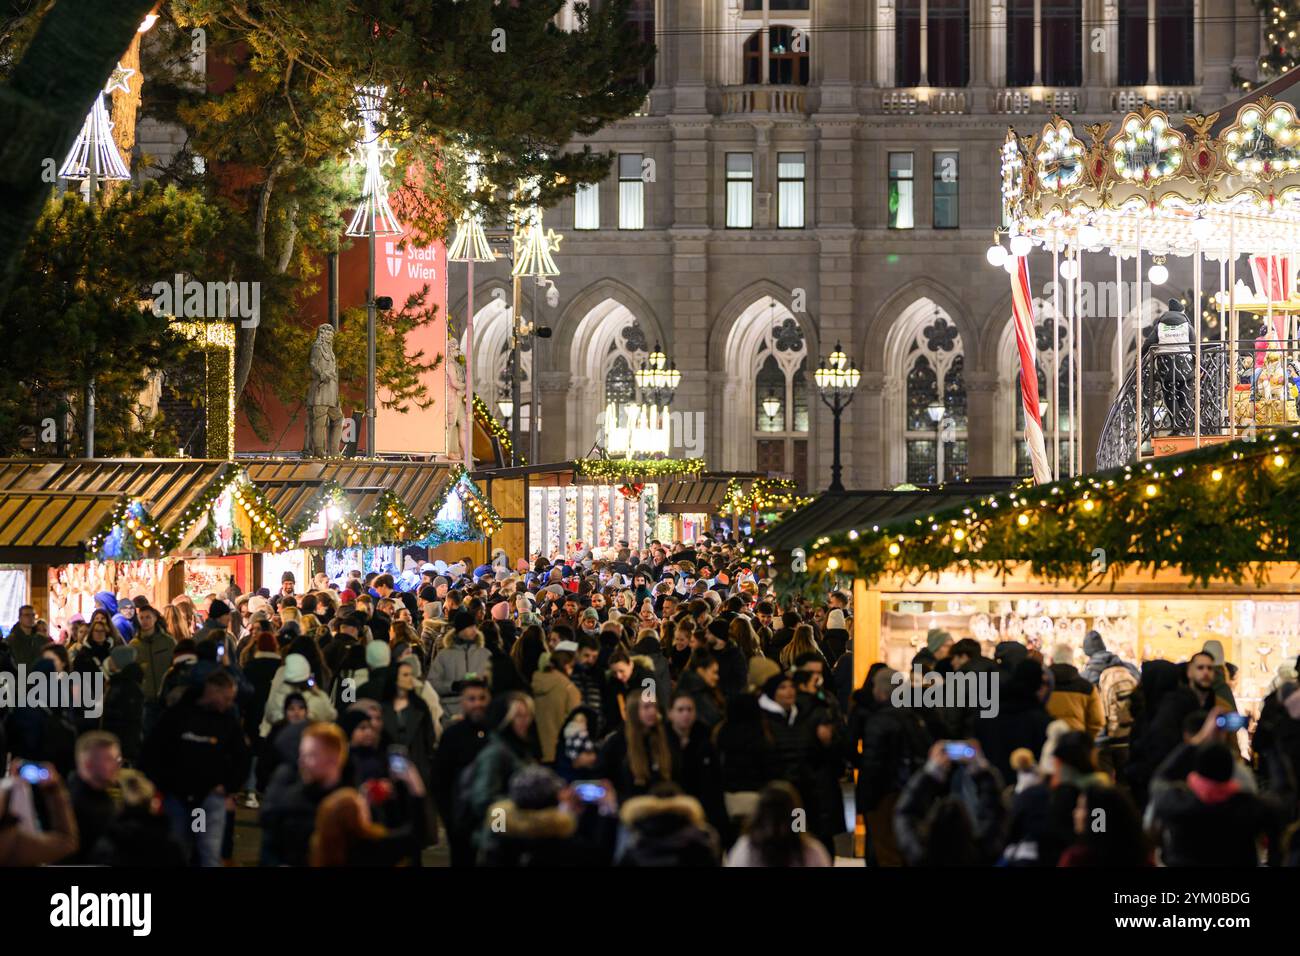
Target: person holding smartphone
column 951, row 812
column 21, row 843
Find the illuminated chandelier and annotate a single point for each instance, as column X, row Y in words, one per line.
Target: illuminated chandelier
column 837, row 374
column 658, row 378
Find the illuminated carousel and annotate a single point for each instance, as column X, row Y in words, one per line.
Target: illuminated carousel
column 1211, row 189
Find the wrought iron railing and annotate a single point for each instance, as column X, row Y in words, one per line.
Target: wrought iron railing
column 1169, row 401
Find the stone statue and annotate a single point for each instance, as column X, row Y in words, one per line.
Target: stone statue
column 456, row 402
column 325, row 418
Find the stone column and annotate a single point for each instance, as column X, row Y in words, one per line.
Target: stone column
column 869, row 431
column 553, row 388
column 981, row 407
column 1219, row 45
column 690, row 39
column 833, row 54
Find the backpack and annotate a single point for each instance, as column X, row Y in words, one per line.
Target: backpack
column 1118, row 689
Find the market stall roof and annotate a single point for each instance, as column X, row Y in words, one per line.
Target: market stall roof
column 704, row 495
column 166, row 486
column 834, row 512
column 51, row 526
column 292, row 486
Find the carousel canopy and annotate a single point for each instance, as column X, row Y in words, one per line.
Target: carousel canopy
column 1229, row 181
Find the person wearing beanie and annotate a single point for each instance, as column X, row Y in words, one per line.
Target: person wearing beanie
column 1073, row 698
column 295, row 677
column 1100, row 658
column 379, row 657
column 1210, row 820
column 463, row 655
column 939, row 643
column 1021, row 720
column 505, row 626
column 541, row 825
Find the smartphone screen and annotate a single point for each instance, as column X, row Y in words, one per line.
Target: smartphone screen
column 589, row 792
column 1233, row 722
column 956, row 750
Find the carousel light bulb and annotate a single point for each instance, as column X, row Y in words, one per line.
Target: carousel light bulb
column 1069, row 269
column 1021, row 246
column 1158, row 274
column 1089, row 236
column 1010, row 265
column 1202, row 228
column 997, row 254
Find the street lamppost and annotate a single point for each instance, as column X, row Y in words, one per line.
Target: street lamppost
column 532, row 245
column 658, row 378
column 506, row 406
column 935, row 410
column 836, row 379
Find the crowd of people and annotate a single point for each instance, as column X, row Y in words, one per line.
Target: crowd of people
column 664, row 707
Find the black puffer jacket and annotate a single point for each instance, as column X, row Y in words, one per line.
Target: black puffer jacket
column 667, row 832
column 1199, row 833
column 745, row 748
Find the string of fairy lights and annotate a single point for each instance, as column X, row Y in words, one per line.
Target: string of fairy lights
column 130, row 533
column 1218, row 513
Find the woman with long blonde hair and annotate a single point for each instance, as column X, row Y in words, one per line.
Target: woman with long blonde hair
column 802, row 642
column 188, row 614
column 174, row 622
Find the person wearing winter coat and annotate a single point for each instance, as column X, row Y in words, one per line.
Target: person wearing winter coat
column 951, row 812
column 122, row 620
column 647, row 647
column 25, row 643
column 197, row 755
column 294, row 677
column 666, row 828
column 139, row 835
column 695, row 762
column 260, row 670
column 701, row 679
column 124, row 702
column 1099, row 658
column 637, row 755
column 509, row 749
column 1074, row 699
column 153, row 652
column 1210, row 821
column 463, row 653
column 555, row 697
column 545, row 825
column 462, row 742
column 891, row 744
column 1021, row 720
column 746, row 757
column 407, row 720
column 770, row 841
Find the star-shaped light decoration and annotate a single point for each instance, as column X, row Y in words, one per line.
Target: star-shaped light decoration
column 386, row 153
column 94, row 154
column 470, row 243
column 373, row 215
column 533, row 244
column 120, row 79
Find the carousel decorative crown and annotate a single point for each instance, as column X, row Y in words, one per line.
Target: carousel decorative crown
column 1160, row 187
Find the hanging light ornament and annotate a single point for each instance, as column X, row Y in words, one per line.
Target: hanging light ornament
column 93, row 153
column 470, row 244
column 533, row 243
column 373, row 215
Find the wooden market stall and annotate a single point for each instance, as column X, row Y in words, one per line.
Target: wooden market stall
column 1157, row 557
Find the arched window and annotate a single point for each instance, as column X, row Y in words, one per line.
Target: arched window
column 786, row 65
column 935, row 403
column 781, row 398
column 620, row 383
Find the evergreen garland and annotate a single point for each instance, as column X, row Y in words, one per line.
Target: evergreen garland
column 1218, row 513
